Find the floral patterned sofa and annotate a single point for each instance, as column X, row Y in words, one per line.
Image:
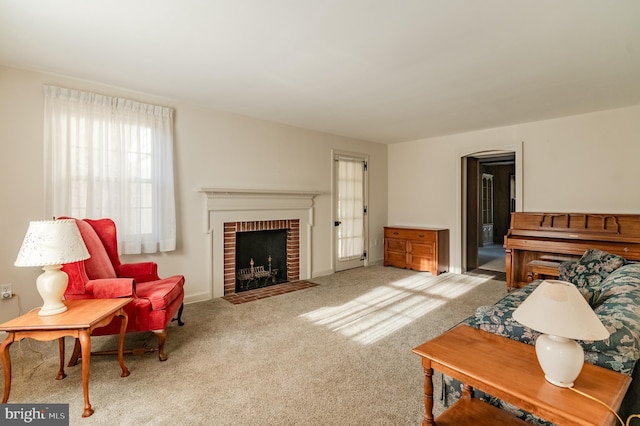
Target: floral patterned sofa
column 611, row 285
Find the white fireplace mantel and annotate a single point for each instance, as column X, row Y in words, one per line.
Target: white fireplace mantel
column 223, row 199
column 239, row 192
column 240, row 204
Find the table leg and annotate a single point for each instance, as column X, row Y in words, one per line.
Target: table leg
column 123, row 329
column 5, row 357
column 61, row 374
column 85, row 342
column 509, row 269
column 428, row 394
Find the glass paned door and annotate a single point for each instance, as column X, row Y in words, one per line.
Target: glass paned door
column 350, row 212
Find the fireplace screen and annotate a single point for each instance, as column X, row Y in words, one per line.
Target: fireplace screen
column 261, row 259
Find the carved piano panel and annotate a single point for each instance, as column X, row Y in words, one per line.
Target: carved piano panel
column 540, row 236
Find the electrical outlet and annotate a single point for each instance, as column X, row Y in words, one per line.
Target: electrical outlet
column 5, row 291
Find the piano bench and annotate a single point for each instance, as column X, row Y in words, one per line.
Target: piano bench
column 558, row 258
column 540, row 269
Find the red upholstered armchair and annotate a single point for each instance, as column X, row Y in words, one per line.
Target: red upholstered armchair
column 155, row 301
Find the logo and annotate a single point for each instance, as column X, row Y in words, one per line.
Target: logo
column 34, row 414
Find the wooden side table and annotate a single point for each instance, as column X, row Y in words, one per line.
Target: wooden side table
column 81, row 318
column 509, row 370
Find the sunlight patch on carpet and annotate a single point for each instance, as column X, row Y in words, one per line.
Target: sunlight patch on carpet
column 386, row 309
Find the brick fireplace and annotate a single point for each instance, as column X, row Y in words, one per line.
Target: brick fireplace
column 229, row 211
column 292, row 226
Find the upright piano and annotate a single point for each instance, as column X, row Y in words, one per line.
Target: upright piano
column 542, row 237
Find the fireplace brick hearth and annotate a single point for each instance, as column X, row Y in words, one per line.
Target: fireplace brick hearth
column 264, row 292
column 293, row 247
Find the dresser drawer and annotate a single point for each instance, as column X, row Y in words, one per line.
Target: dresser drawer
column 410, row 234
column 396, row 233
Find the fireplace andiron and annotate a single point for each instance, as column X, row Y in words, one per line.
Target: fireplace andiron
column 257, row 275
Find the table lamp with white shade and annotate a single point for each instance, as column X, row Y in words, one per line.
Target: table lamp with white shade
column 51, row 243
column 560, row 311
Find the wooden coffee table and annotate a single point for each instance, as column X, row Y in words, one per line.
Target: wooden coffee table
column 80, row 319
column 509, row 370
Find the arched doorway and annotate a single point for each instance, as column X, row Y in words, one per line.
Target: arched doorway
column 491, row 190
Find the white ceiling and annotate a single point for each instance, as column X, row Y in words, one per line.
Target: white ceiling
column 378, row 70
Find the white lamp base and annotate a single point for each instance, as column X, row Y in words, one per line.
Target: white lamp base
column 51, row 285
column 561, row 359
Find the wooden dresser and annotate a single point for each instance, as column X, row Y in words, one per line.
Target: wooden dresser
column 420, row 249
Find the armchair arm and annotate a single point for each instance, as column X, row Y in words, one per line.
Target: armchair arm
column 111, row 288
column 77, row 278
column 141, row 271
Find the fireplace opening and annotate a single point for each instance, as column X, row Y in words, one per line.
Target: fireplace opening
column 261, row 259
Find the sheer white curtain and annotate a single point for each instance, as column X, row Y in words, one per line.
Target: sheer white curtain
column 111, row 157
column 350, row 208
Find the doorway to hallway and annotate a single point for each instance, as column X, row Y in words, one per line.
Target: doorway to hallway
column 490, row 189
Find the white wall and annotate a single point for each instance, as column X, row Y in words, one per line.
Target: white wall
column 586, row 163
column 212, row 149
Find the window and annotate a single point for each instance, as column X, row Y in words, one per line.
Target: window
column 112, row 157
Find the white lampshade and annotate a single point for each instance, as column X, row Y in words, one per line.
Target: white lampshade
column 50, row 244
column 557, row 309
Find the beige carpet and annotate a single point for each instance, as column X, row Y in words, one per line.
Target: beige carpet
column 335, row 354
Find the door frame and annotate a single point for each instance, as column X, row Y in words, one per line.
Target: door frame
column 334, row 205
column 461, row 250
